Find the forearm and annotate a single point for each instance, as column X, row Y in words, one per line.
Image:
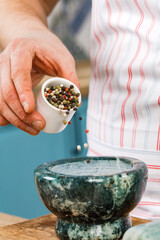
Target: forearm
column 20, row 18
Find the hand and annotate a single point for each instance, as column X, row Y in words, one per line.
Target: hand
column 22, row 65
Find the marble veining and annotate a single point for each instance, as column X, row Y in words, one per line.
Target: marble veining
column 91, row 200
column 111, row 231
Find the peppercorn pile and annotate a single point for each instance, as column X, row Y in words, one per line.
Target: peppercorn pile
column 62, row 97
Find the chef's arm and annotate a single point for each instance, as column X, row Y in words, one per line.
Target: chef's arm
column 18, row 18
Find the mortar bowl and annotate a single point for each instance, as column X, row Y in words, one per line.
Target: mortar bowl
column 91, row 196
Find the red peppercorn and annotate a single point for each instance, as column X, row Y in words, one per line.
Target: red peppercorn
column 46, row 95
column 49, row 91
column 69, row 99
column 69, row 94
column 69, row 122
column 64, row 96
column 87, row 131
column 65, row 108
column 66, row 89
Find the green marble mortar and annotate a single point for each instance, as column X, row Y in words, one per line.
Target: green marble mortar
column 91, row 196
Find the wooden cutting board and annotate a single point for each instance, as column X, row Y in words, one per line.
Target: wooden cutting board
column 41, row 228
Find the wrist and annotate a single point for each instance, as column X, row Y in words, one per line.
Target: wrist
column 22, row 29
column 18, row 19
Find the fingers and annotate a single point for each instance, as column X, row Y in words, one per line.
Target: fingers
column 3, row 121
column 14, row 109
column 12, row 118
column 17, row 102
column 65, row 62
column 21, row 65
column 69, row 71
column 59, row 63
column 36, row 77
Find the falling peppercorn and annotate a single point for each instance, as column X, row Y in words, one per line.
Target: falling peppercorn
column 86, row 145
column 79, row 148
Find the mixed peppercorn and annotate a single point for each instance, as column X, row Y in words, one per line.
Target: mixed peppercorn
column 62, row 97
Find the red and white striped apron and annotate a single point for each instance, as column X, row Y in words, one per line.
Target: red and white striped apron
column 124, row 105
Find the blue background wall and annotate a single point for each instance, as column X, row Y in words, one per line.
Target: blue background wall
column 21, row 153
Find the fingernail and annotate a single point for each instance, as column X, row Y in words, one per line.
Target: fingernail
column 26, row 106
column 31, row 130
column 37, row 124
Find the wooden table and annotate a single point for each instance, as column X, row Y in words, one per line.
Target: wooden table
column 38, row 229
column 6, row 219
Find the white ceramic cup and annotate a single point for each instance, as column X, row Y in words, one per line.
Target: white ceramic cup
column 53, row 117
